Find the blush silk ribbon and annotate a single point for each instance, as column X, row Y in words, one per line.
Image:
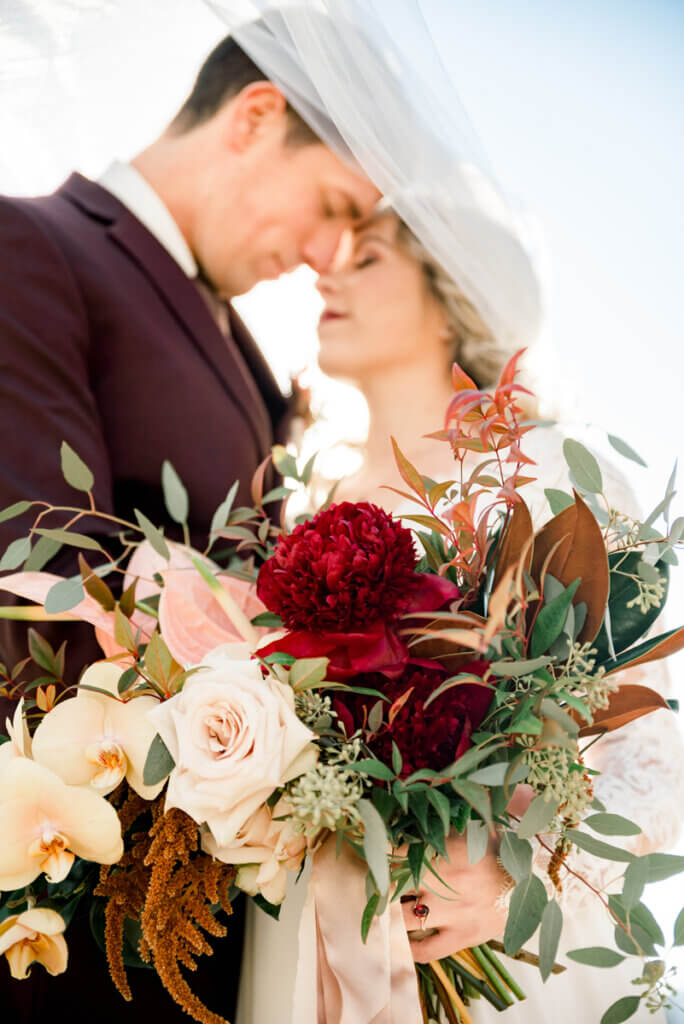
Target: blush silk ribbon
column 341, row 980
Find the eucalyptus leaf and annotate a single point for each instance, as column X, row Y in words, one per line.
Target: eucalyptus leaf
column 612, row 825
column 583, row 466
column 64, row 596
column 477, row 796
column 537, row 816
column 495, row 774
column 159, row 763
column 514, row 669
column 44, row 550
column 76, row 540
column 526, row 909
column 16, row 509
column 558, row 500
column 600, row 849
column 663, row 865
column 516, row 855
column 17, row 552
column 624, row 449
column 679, row 929
column 220, row 517
column 476, row 840
column 623, row 1009
column 595, row 956
column 175, row 494
column 549, row 937
column 375, row 844
column 74, row 469
column 152, row 534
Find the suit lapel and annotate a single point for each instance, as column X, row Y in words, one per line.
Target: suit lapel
column 181, row 296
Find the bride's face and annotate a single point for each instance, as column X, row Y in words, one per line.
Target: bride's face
column 378, row 310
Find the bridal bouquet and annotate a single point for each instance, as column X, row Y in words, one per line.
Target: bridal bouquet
column 336, row 693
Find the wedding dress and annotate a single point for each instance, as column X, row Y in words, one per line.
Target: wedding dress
column 641, row 779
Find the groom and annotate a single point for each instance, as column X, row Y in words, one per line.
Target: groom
column 116, row 335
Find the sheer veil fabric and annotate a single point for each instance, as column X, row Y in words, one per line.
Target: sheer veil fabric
column 368, row 77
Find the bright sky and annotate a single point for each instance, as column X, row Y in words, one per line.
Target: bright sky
column 579, row 107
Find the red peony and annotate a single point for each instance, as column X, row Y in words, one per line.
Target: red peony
column 427, row 737
column 349, row 567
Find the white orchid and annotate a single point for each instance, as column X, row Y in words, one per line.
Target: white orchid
column 34, row 936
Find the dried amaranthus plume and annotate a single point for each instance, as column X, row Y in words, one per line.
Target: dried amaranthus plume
column 177, row 909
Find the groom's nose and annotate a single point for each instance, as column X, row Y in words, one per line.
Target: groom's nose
column 319, row 251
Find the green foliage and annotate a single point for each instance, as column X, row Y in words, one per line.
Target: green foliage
column 527, row 907
column 612, row 825
column 627, row 625
column 599, row 849
column 175, row 494
column 159, row 763
column 583, row 466
column 551, row 619
column 64, row 596
column 17, row 509
column 74, row 469
column 516, row 855
column 17, row 552
column 549, row 937
column 595, row 956
column 623, row 1009
column 152, row 534
column 558, row 500
column 537, row 816
column 375, row 845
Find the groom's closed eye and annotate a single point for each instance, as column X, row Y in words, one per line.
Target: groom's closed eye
column 341, row 207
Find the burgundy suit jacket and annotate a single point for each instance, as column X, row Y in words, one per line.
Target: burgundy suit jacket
column 105, row 343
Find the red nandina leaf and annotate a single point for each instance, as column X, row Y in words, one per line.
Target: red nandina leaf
column 398, row 705
column 461, row 380
column 409, row 473
column 258, row 481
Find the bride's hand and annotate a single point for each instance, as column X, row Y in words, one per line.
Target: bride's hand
column 467, row 913
column 470, row 911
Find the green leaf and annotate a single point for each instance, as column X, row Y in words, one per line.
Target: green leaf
column 76, row 540
column 527, row 907
column 284, row 462
column 268, row 620
column 549, row 709
column 612, row 825
column 558, row 500
column 623, row 1009
column 471, row 759
column 158, row 659
column 679, row 929
column 663, row 865
column 277, row 494
column 127, row 679
column 441, row 804
column 516, row 855
column 44, row 550
column 308, row 470
column 17, row 552
column 220, row 517
column 624, row 449
column 551, row 619
column 152, row 534
column 636, row 877
column 64, row 596
column 368, row 914
column 583, row 466
column 477, row 796
column 397, row 759
column 495, row 774
column 376, row 769
column 524, row 667
column 537, row 816
column 308, row 672
column 41, row 651
column 639, row 944
column 375, row 844
column 627, row 624
column 415, row 856
column 175, row 494
column 74, row 469
column 11, row 511
column 595, row 956
column 159, row 763
column 549, row 937
column 600, row 849
column 476, row 840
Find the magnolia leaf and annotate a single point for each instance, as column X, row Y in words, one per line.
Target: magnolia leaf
column 74, row 469
column 625, row 705
column 627, row 624
column 599, row 849
column 63, row 596
column 516, row 855
column 623, row 1009
column 152, row 534
column 77, row 540
column 14, row 510
column 654, row 649
column 175, row 494
column 375, row 844
column 517, row 535
column 551, row 619
column 308, row 672
column 527, row 907
column 558, row 500
column 624, row 449
column 549, row 937
column 159, row 763
column 476, row 840
column 583, row 466
column 537, row 816
column 17, row 552
column 571, row 546
column 612, row 825
column 595, row 956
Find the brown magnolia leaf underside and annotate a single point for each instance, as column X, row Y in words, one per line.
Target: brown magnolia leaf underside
column 626, row 705
column 515, row 540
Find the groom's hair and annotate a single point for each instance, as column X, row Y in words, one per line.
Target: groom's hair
column 226, row 71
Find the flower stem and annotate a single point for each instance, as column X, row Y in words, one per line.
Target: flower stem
column 492, row 976
column 441, row 975
column 487, row 953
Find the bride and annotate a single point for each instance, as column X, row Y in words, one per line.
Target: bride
column 393, row 323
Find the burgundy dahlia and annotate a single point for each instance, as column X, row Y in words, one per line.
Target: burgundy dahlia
column 349, row 566
column 427, row 737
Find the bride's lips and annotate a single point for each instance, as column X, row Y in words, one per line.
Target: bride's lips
column 329, row 315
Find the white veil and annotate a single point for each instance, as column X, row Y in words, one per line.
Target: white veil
column 367, row 76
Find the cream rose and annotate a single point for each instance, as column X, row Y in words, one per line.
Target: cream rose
column 266, row 849
column 234, row 737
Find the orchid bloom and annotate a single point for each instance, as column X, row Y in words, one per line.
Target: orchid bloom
column 96, row 740
column 44, row 824
column 34, row 936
